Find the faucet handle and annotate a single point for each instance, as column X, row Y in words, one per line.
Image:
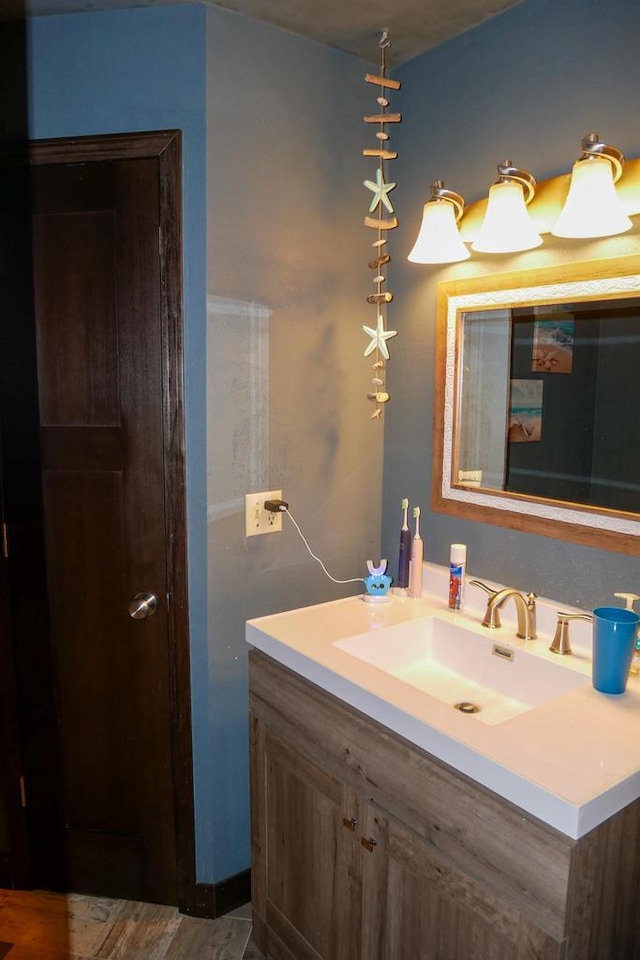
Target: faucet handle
column 483, row 586
column 560, row 643
column 531, row 598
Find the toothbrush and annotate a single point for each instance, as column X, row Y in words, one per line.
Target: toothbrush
column 404, row 555
column 415, row 574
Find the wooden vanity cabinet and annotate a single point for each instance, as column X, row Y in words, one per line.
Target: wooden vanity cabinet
column 367, row 848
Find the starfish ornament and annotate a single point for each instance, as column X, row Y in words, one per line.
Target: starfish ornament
column 380, row 189
column 379, row 336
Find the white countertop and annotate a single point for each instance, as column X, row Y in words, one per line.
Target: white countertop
column 572, row 762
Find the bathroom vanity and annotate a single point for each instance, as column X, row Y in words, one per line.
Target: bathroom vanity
column 387, row 825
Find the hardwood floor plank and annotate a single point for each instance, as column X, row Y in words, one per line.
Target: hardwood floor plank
column 22, row 951
column 139, row 931
column 241, row 913
column 222, row 939
column 63, row 923
column 252, row 952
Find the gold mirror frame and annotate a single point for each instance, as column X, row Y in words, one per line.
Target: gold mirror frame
column 588, row 280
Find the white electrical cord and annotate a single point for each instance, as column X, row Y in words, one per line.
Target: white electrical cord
column 304, row 540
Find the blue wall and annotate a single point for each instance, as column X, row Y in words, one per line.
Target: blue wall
column 287, row 280
column 525, row 86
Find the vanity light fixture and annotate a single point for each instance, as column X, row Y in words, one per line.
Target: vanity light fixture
column 438, row 239
column 592, row 207
column 588, row 204
column 507, row 227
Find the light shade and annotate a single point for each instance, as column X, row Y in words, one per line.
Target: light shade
column 592, row 207
column 507, row 226
column 439, row 240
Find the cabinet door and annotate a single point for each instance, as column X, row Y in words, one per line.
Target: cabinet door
column 311, row 858
column 423, row 907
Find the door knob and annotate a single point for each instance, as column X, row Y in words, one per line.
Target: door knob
column 142, row 606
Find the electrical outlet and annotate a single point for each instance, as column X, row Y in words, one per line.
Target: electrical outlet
column 257, row 519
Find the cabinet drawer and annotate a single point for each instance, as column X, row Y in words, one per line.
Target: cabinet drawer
column 524, row 862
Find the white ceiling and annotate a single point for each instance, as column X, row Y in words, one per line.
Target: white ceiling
column 354, row 26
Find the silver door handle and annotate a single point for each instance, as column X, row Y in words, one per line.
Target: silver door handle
column 142, row 606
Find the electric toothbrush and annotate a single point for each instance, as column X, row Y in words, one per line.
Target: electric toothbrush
column 417, row 548
column 404, row 556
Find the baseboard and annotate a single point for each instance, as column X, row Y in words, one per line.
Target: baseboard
column 212, row 900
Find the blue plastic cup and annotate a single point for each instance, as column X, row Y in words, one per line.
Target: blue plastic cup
column 614, row 639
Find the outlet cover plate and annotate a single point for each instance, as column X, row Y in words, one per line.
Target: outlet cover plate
column 257, row 519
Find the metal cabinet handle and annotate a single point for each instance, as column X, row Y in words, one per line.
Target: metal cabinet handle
column 142, row 606
column 350, row 822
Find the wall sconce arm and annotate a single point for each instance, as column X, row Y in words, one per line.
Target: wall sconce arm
column 526, row 180
column 592, row 146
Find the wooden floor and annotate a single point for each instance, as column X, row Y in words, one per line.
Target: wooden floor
column 53, row 926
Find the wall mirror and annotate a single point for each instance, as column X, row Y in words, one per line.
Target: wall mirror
column 537, row 402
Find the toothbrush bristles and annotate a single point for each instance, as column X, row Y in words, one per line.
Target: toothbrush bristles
column 416, row 511
column 405, row 503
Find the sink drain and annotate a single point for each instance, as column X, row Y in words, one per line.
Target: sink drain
column 466, row 706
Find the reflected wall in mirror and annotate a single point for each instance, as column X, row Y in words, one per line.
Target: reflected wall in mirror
column 537, row 407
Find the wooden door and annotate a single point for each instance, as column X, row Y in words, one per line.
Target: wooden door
column 111, row 465
column 27, row 731
column 13, row 833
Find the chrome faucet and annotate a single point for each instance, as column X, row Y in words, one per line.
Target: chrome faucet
column 525, row 607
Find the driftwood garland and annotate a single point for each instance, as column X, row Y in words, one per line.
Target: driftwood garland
column 380, row 188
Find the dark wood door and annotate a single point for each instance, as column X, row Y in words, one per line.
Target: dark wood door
column 27, row 729
column 103, row 405
column 13, row 830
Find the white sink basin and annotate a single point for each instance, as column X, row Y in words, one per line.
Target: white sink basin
column 461, row 666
